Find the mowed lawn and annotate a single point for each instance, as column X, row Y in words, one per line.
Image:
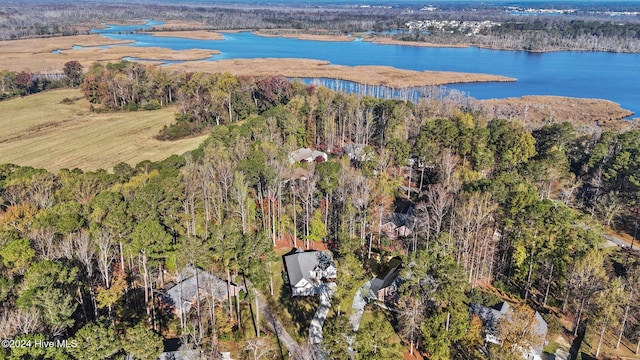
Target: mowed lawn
column 44, row 131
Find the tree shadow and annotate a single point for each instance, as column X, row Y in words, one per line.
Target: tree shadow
column 301, row 310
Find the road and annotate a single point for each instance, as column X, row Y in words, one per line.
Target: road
column 283, row 336
column 620, row 242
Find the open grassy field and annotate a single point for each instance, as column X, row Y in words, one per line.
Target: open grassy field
column 43, row 131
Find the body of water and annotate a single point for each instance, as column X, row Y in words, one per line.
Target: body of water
column 610, row 76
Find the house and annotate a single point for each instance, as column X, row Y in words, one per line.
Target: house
column 192, row 280
column 355, row 152
column 400, row 223
column 385, row 285
column 307, row 270
column 490, row 318
column 307, row 155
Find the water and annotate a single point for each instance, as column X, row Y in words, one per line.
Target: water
column 610, row 76
column 111, row 28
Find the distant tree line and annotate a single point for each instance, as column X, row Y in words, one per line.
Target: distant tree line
column 541, row 34
column 580, row 31
column 14, row 84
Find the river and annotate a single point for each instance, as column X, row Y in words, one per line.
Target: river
column 610, row 76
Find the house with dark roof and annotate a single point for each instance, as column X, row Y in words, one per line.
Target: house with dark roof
column 191, row 281
column 400, row 223
column 306, row 270
column 490, row 317
column 385, row 285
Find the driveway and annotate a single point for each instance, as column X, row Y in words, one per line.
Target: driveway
column 325, row 291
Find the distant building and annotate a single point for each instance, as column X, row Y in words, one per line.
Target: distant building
column 356, row 152
column 192, row 280
column 490, row 318
column 306, row 270
column 307, row 155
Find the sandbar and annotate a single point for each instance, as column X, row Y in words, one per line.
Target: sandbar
column 303, row 36
column 190, row 34
column 586, row 115
column 370, row 75
column 36, row 55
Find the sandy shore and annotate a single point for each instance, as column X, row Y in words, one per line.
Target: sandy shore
column 372, row 75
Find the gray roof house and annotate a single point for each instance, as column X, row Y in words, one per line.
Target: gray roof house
column 307, row 270
column 386, row 283
column 182, row 295
column 490, row 317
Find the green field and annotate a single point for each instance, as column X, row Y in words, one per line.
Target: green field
column 44, row 131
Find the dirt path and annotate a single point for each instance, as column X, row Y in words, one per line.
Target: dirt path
column 274, row 324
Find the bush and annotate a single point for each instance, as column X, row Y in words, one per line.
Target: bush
column 179, row 130
column 152, row 105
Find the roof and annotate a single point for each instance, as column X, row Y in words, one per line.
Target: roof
column 182, row 294
column 300, row 264
column 388, row 273
column 306, row 155
column 491, row 315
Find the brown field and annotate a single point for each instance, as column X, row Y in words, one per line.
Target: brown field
column 180, row 25
column 389, row 41
column 293, row 34
column 41, row 131
column 586, row 115
column 372, row 75
column 190, row 34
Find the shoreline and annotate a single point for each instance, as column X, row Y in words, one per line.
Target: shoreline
column 19, row 56
column 587, row 115
column 366, row 75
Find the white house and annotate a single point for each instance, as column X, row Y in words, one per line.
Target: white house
column 307, row 155
column 308, row 270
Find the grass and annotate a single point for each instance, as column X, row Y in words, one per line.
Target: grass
column 372, row 75
column 35, row 55
column 586, row 115
column 42, row 131
column 608, row 350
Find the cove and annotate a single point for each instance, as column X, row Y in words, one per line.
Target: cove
column 600, row 75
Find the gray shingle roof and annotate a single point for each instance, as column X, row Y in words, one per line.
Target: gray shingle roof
column 300, row 264
column 490, row 317
column 183, row 293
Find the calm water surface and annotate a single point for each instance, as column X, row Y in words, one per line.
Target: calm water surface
column 610, row 76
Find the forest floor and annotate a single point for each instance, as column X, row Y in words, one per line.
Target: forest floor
column 287, row 243
column 46, row 131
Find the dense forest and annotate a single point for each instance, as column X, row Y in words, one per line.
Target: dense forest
column 540, row 34
column 500, row 211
